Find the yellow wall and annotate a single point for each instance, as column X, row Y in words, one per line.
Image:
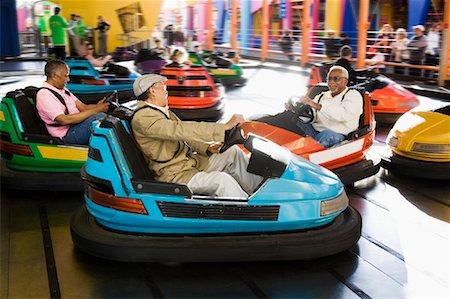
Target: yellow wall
column 90, row 10
column 333, row 15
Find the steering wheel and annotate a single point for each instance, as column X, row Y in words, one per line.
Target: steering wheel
column 232, row 137
column 304, row 112
column 112, row 100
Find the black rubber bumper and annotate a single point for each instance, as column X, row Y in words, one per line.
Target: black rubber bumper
column 414, row 168
column 213, row 113
column 122, row 95
column 335, row 237
column 27, row 180
column 233, row 81
column 365, row 168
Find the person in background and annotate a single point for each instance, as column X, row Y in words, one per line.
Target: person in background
column 74, row 41
column 58, row 27
column 103, row 28
column 80, row 29
column 178, row 58
column 64, row 115
column 159, row 49
column 286, row 42
column 417, row 46
column 383, row 41
column 432, row 51
column 337, row 110
column 169, row 35
column 378, row 58
column 87, row 52
column 345, row 41
column 187, row 152
column 345, row 61
column 332, row 44
column 400, row 51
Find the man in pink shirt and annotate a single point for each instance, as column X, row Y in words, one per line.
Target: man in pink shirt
column 64, row 115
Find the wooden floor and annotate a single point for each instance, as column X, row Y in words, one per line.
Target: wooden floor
column 403, row 251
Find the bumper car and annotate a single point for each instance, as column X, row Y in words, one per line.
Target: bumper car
column 124, row 54
column 299, row 211
column 351, row 160
column 148, row 62
column 31, row 158
column 90, row 84
column 419, row 144
column 389, row 99
column 220, row 67
column 193, row 93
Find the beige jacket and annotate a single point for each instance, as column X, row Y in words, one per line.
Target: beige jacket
column 174, row 150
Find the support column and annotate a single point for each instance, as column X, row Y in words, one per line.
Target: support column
column 445, row 53
column 363, row 26
column 246, row 23
column 234, row 25
column 209, row 39
column 265, row 30
column 306, row 32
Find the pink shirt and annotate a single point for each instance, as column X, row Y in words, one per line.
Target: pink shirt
column 49, row 107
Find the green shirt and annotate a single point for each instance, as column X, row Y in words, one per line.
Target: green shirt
column 57, row 26
column 80, row 29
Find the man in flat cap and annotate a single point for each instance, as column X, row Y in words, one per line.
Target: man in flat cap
column 186, row 152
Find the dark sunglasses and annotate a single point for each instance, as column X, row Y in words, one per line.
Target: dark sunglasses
column 334, row 78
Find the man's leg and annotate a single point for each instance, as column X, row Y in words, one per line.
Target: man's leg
column 328, row 138
column 234, row 162
column 81, row 132
column 307, row 128
column 216, row 183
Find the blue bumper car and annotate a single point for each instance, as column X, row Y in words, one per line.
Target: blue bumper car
column 299, row 211
column 90, row 85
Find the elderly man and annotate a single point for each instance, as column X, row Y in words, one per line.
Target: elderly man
column 337, row 110
column 417, row 46
column 63, row 114
column 186, row 152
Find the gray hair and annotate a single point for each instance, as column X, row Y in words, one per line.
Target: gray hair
column 343, row 71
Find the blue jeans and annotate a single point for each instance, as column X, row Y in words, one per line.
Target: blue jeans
column 326, row 138
column 81, row 132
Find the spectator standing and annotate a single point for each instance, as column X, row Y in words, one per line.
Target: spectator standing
column 169, row 35
column 384, row 40
column 74, row 41
column 103, row 28
column 332, row 44
column 80, row 30
column 179, row 37
column 432, row 51
column 159, row 49
column 286, row 42
column 345, row 41
column 58, row 27
column 400, row 51
column 417, row 47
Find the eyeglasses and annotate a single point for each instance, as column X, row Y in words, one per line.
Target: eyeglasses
column 334, row 78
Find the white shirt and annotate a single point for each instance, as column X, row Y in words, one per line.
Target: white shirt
column 164, row 110
column 340, row 113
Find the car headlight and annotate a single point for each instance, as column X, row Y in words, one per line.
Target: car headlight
column 431, row 148
column 334, row 205
column 392, row 141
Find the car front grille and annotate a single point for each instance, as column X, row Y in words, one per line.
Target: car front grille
column 218, row 211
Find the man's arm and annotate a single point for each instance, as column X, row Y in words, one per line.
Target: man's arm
column 85, row 112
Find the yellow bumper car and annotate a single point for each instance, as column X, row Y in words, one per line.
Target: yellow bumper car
column 419, row 144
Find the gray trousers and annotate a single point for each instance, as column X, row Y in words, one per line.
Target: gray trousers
column 226, row 176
